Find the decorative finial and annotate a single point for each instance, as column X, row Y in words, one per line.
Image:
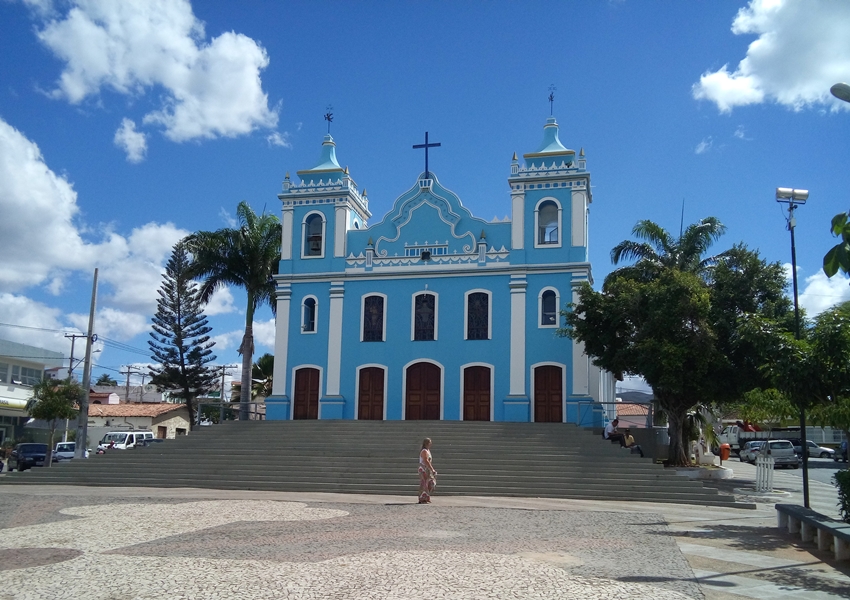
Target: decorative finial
column 287, row 175
column 364, row 192
column 514, row 158
column 329, row 116
column 552, row 90
column 581, row 152
column 370, row 243
column 346, row 169
column 483, row 235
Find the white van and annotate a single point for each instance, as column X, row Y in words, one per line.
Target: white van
column 123, row 440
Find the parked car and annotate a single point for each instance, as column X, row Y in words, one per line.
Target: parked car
column 841, row 453
column 123, row 440
column 149, row 442
column 750, row 450
column 782, row 452
column 64, row 450
column 815, row 451
column 26, row 456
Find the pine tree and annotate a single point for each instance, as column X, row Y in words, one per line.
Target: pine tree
column 180, row 343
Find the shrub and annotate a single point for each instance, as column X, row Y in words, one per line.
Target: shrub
column 842, row 482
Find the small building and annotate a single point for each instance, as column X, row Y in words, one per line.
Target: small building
column 165, row 420
column 21, row 367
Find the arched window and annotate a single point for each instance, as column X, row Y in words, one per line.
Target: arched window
column 478, row 316
column 308, row 315
column 548, row 309
column 548, row 223
column 373, row 319
column 424, row 317
column 314, row 234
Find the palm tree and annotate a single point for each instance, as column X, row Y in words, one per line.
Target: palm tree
column 263, row 376
column 246, row 257
column 659, row 250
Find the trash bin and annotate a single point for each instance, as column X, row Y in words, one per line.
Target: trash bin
column 725, row 451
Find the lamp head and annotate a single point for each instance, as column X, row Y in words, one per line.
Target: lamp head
column 841, row 91
column 790, row 195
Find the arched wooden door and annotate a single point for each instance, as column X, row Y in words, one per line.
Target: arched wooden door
column 422, row 393
column 476, row 394
column 548, row 394
column 370, row 394
column 306, row 399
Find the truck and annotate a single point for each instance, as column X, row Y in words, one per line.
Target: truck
column 737, row 437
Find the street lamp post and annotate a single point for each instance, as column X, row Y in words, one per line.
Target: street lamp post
column 796, row 198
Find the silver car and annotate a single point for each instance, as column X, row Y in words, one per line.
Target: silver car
column 750, row 451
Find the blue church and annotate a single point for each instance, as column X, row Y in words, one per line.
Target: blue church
column 433, row 313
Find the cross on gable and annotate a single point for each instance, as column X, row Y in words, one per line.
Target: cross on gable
column 426, row 145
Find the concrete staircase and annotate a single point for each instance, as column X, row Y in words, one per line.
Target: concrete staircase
column 550, row 460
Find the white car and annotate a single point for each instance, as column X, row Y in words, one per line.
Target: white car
column 64, row 450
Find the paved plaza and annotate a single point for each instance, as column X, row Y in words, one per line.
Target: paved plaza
column 120, row 543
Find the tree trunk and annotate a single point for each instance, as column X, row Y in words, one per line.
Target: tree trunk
column 247, row 350
column 678, row 453
column 49, row 458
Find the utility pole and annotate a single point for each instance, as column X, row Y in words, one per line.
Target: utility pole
column 221, row 393
column 83, row 419
column 130, row 370
column 73, row 337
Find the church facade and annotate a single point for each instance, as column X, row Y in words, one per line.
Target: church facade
column 433, row 313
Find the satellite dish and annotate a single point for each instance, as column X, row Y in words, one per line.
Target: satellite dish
column 150, row 388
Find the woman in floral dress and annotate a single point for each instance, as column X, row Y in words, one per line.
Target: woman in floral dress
column 427, row 474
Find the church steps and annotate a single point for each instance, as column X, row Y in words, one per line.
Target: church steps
column 479, row 459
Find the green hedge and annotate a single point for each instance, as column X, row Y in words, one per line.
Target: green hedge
column 842, row 482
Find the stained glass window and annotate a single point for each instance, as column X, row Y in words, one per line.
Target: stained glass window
column 424, row 317
column 373, row 319
column 478, row 316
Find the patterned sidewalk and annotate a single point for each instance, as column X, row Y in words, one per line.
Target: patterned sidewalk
column 100, row 543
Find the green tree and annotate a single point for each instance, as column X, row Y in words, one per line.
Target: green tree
column 766, row 406
column 838, row 257
column 106, row 380
column 262, row 374
column 672, row 317
column 53, row 401
column 180, row 344
column 248, row 258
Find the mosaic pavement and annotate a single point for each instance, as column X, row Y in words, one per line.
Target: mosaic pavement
column 103, row 549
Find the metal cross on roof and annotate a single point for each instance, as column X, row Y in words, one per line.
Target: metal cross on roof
column 426, row 145
column 552, row 90
column 329, row 116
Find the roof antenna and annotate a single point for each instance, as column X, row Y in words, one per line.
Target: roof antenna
column 552, row 90
column 329, row 116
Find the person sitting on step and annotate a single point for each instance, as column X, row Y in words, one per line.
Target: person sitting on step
column 612, row 434
column 629, row 442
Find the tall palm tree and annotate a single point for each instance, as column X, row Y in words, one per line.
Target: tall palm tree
column 659, row 250
column 246, row 257
column 263, row 376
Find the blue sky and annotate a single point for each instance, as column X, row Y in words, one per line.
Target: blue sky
column 124, row 126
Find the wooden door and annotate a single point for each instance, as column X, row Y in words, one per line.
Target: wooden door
column 422, row 396
column 370, row 395
column 306, row 400
column 476, row 394
column 548, row 395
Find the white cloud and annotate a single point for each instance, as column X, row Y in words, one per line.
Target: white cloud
column 820, row 293
column 45, row 207
column 264, row 334
column 279, row 139
column 231, row 339
column 27, row 313
column 741, row 134
column 802, row 49
column 133, row 142
column 220, row 303
column 111, row 323
column 228, row 218
column 212, row 88
column 704, row 146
